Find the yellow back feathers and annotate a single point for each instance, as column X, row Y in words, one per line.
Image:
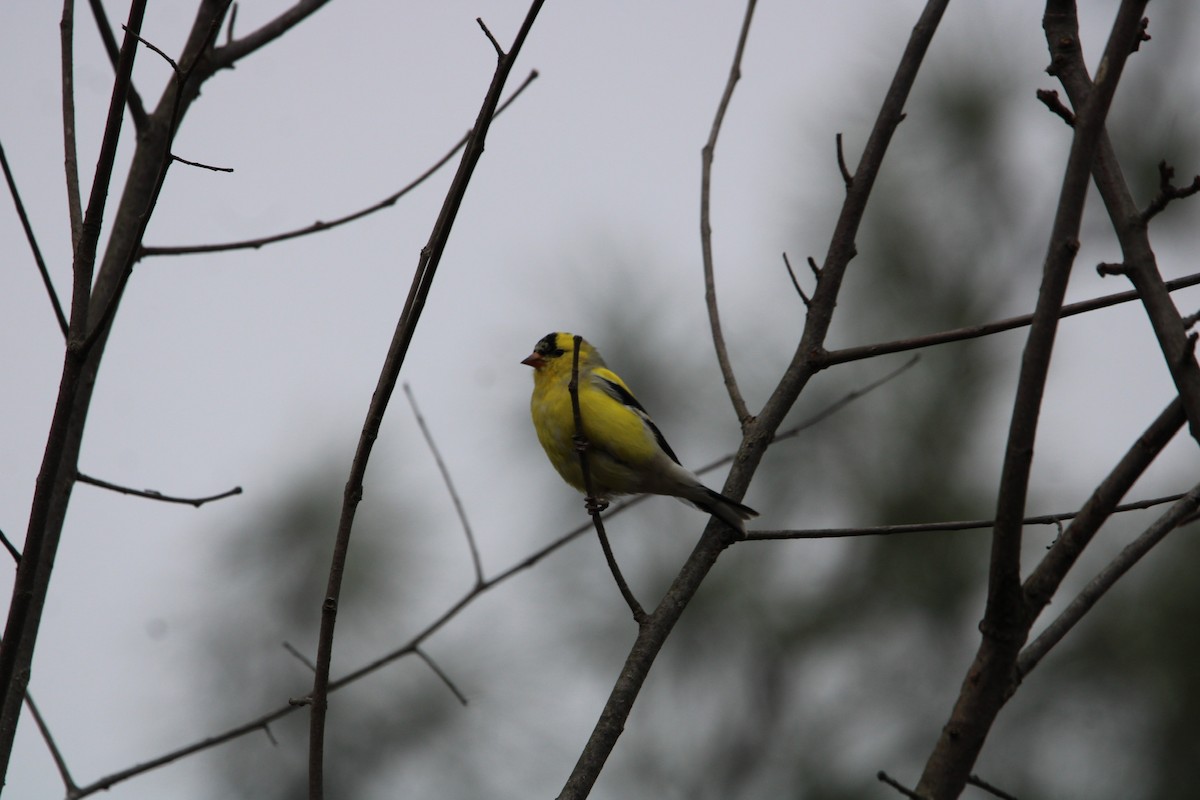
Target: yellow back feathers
column 627, row 453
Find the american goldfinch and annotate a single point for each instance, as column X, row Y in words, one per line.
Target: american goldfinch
column 627, row 453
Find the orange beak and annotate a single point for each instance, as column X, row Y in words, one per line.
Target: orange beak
column 534, row 360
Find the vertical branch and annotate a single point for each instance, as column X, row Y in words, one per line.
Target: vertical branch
column 33, row 245
column 54, row 477
column 427, row 265
column 1006, row 620
column 70, row 154
column 706, row 161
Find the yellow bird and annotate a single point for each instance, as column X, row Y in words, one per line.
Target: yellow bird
column 627, row 453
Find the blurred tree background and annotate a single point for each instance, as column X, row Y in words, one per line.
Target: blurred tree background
column 802, row 667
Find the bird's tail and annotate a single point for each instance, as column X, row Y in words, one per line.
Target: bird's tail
column 731, row 512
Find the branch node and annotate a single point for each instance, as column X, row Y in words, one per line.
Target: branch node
column 1104, row 269
column 1167, row 191
column 1143, row 35
column 1051, row 100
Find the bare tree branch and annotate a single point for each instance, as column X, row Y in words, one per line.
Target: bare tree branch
column 833, row 357
column 70, row 153
column 11, row 548
column 427, row 265
column 151, row 494
column 32, row 239
column 476, row 562
column 1179, row 514
column 59, row 762
column 706, row 161
column 429, row 662
column 317, row 227
column 1006, row 619
column 1168, row 191
column 1129, row 223
column 936, row 527
column 104, row 28
column 225, row 56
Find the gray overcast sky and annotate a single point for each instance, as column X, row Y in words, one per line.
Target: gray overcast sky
column 239, row 368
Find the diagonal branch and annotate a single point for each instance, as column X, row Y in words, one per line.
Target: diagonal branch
column 427, row 265
column 33, row 245
column 860, row 352
column 320, row 226
column 1179, row 514
column 59, row 762
column 105, row 29
column 706, row 161
column 459, row 509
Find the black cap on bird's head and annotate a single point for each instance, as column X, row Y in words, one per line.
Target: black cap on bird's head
column 551, row 346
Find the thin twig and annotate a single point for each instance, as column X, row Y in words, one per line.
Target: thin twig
column 320, row 226
column 883, row 777
column 66, row 29
column 593, row 503
column 795, row 281
column 975, row 780
column 151, row 46
column 151, row 494
column 1167, row 191
column 706, row 160
column 429, row 662
column 11, row 548
column 201, row 166
column 936, row 527
column 847, row 178
column 33, row 245
column 492, row 39
column 303, row 659
column 454, row 498
column 59, row 762
column 136, row 109
column 833, row 357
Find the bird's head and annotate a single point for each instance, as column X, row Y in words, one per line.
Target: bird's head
column 556, row 351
